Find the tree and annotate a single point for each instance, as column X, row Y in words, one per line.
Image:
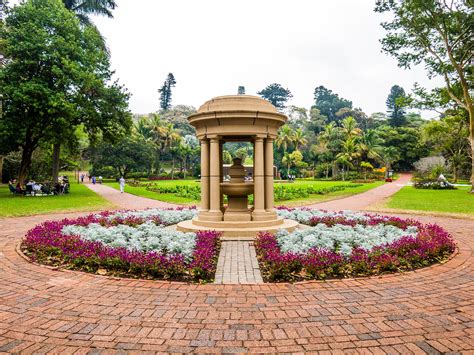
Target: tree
column 395, row 110
column 293, row 159
column 299, row 139
column 57, row 77
column 450, row 137
column 389, row 155
column 131, row 154
column 241, row 90
column 438, row 34
column 316, row 121
column 328, row 103
column 276, row 94
column 285, row 138
column 166, row 92
column 84, row 8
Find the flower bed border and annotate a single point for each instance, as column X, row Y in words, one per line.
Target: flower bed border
column 46, row 245
column 431, row 246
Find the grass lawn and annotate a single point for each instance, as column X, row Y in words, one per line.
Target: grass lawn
column 79, row 199
column 172, row 198
column 448, row 201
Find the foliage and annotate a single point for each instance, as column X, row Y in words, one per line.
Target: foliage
column 166, row 92
column 57, row 77
column 395, row 108
column 84, row 8
column 147, row 251
column 329, row 103
column 430, row 166
column 129, row 155
column 357, row 245
column 438, row 34
column 276, row 94
column 432, row 184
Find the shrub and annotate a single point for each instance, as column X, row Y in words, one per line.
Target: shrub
column 432, row 184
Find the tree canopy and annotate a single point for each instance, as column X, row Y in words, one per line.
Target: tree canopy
column 166, row 92
column 329, row 103
column 57, row 77
column 276, row 94
column 439, row 35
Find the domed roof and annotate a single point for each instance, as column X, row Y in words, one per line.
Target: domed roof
column 237, row 103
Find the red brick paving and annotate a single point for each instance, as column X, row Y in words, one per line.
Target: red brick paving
column 427, row 311
column 364, row 200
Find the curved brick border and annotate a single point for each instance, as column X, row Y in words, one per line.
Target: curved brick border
column 428, row 310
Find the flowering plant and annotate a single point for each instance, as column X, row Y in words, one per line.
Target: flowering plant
column 345, row 244
column 128, row 243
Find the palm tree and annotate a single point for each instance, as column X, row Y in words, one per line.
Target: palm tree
column 389, row 155
column 370, row 144
column 299, row 139
column 350, row 152
column 349, row 127
column 84, row 8
column 285, row 138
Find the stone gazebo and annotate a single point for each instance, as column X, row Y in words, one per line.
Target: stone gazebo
column 237, row 118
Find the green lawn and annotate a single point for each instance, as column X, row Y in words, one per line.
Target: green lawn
column 448, row 201
column 79, row 199
column 172, row 198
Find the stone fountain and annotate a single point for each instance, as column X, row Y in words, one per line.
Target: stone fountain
column 237, row 191
column 237, row 118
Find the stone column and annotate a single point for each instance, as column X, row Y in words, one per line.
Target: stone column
column 204, row 175
column 269, row 175
column 221, row 174
column 259, row 181
column 215, row 212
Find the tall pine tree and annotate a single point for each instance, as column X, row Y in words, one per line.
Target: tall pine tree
column 276, row 94
column 166, row 92
column 395, row 111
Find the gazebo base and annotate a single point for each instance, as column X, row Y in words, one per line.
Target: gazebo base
column 242, row 230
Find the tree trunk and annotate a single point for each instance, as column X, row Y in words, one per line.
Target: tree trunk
column 2, row 158
column 472, row 157
column 25, row 163
column 56, row 154
column 327, row 171
column 172, row 170
column 455, row 173
column 471, row 136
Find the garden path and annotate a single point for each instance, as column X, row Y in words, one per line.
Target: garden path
column 364, row 200
column 126, row 200
column 47, row 310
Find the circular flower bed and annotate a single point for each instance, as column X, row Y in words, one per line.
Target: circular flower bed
column 127, row 243
column 346, row 244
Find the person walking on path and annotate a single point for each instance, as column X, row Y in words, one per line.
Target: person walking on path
column 82, row 178
column 122, row 184
column 93, row 180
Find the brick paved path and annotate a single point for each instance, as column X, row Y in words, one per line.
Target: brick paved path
column 427, row 311
column 237, row 264
column 125, row 200
column 366, row 199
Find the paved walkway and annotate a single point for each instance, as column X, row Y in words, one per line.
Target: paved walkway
column 126, row 200
column 364, row 200
column 46, row 310
column 237, row 264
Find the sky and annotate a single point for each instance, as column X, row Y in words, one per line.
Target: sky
column 213, row 46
